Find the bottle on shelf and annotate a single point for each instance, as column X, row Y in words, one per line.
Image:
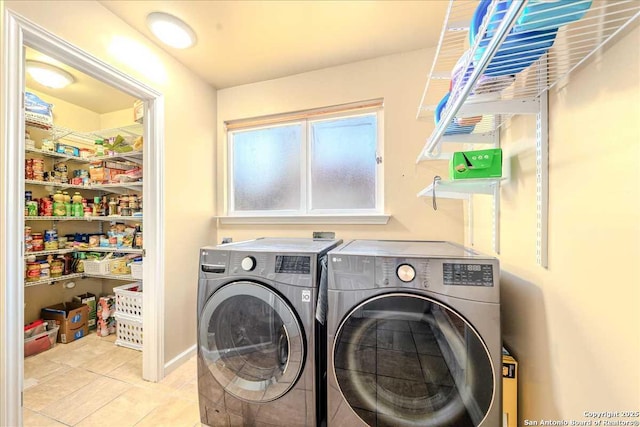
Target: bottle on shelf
column 113, row 209
column 77, row 209
column 67, row 204
column 59, row 208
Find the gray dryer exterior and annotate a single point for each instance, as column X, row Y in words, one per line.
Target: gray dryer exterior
column 413, row 335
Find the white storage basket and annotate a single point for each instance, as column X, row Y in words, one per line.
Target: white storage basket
column 128, row 300
column 129, row 331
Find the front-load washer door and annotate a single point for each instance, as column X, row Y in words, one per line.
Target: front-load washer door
column 251, row 341
column 407, row 360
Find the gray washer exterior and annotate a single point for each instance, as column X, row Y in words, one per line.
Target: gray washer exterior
column 298, row 406
column 361, row 270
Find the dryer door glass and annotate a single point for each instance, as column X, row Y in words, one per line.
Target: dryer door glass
column 407, row 360
column 251, row 341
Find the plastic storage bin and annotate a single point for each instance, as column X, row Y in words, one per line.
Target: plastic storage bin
column 41, row 342
column 129, row 331
column 129, row 299
column 549, row 14
column 452, row 129
column 519, row 50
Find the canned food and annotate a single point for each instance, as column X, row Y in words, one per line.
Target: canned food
column 50, row 235
column 33, row 271
column 37, row 242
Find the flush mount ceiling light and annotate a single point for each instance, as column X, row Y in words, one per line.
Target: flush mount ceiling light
column 171, row 30
column 49, row 75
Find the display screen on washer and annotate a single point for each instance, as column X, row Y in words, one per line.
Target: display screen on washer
column 293, row 264
column 467, row 274
column 407, row 360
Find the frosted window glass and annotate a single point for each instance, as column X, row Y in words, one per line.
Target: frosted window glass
column 266, row 169
column 343, row 163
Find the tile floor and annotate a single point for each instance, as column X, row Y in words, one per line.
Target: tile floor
column 93, row 382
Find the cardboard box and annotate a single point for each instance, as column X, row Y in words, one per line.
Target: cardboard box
column 476, row 164
column 71, row 317
column 90, row 300
column 509, row 390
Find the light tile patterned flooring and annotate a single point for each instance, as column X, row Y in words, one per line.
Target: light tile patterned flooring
column 93, row 382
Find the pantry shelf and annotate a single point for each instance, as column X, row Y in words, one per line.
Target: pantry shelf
column 132, row 156
column 114, row 250
column 516, row 93
column 77, row 249
column 113, row 218
column 125, row 277
column 135, row 186
column 50, row 252
column 53, row 154
column 54, row 279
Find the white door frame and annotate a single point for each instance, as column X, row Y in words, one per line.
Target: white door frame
column 17, row 32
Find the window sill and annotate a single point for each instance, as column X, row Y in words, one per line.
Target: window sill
column 374, row 219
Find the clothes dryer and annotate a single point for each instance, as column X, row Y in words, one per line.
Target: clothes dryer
column 258, row 339
column 413, row 335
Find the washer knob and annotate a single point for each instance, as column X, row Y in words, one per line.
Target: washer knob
column 406, row 273
column 248, row 263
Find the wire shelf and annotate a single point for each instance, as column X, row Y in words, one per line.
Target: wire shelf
column 112, row 218
column 496, row 98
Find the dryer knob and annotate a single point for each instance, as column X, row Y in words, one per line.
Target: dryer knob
column 406, row 273
column 248, row 263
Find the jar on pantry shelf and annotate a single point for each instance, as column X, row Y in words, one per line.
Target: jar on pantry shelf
column 46, row 207
column 56, row 268
column 112, row 207
column 37, row 242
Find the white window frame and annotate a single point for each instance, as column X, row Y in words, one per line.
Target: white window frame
column 305, row 214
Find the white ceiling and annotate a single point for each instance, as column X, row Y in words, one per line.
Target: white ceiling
column 241, row 42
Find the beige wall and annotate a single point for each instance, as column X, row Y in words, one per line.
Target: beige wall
column 575, row 327
column 399, row 79
column 69, row 115
column 190, row 108
column 116, row 119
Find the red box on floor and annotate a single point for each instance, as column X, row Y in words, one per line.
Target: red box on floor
column 71, row 317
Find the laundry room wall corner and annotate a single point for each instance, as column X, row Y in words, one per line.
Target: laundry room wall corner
column 190, row 111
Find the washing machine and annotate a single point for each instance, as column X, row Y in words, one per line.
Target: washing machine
column 259, row 344
column 413, row 335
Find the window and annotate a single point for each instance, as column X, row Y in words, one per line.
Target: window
column 320, row 162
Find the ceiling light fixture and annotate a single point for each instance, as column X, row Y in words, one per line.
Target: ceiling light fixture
column 171, row 30
column 49, row 75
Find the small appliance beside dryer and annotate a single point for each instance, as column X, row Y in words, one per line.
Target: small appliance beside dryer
column 258, row 339
column 413, row 335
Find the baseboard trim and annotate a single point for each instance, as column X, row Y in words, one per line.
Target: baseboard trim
column 174, row 363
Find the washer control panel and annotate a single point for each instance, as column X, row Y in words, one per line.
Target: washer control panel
column 454, row 274
column 293, row 264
